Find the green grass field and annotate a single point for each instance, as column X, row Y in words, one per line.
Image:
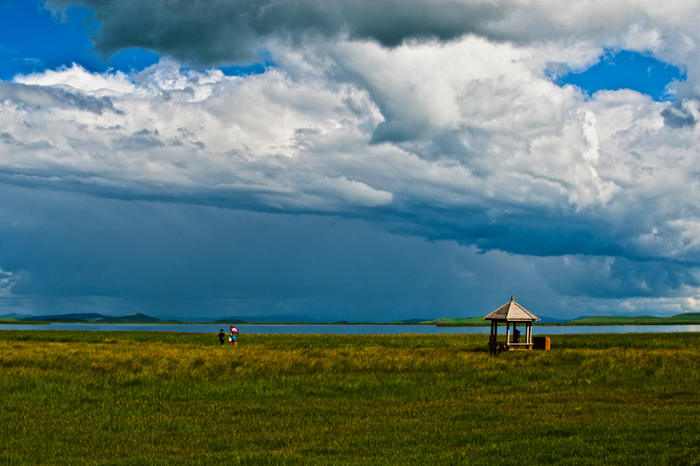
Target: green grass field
column 71, row 397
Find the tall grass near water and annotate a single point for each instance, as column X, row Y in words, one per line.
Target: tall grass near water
column 70, row 397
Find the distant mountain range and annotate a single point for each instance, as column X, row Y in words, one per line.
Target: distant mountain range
column 88, row 318
column 143, row 318
column 689, row 318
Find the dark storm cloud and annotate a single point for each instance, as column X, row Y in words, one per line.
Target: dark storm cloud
column 73, row 252
column 530, row 233
column 617, row 277
column 220, row 31
column 180, row 260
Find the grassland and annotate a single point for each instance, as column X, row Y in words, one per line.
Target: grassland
column 73, row 398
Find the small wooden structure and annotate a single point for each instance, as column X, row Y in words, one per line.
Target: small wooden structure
column 514, row 313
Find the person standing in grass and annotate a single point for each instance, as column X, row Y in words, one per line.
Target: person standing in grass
column 222, row 337
column 232, row 338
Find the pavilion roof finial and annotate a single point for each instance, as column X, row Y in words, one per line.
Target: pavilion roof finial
column 512, row 312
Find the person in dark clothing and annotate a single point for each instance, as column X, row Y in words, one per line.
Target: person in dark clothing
column 222, row 337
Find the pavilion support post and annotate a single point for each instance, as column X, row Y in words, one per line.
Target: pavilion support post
column 495, row 333
column 528, row 328
column 507, row 334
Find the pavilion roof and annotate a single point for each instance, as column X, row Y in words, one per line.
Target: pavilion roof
column 512, row 312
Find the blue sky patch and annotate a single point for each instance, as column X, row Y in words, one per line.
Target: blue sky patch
column 32, row 40
column 627, row 70
column 255, row 68
column 133, row 59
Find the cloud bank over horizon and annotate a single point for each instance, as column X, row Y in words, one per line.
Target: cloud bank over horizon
column 435, row 131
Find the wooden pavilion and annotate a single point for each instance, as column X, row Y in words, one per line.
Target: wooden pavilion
column 514, row 313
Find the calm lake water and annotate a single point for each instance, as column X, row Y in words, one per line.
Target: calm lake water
column 352, row 329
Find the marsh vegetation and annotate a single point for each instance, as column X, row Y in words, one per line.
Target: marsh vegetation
column 71, row 397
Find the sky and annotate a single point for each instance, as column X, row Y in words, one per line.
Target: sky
column 362, row 161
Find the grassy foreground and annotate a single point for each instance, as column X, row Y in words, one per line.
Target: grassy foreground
column 71, row 397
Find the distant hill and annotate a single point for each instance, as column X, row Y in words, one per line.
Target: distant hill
column 229, row 321
column 66, row 318
column 688, row 318
column 137, row 318
column 617, row 319
column 273, row 318
column 457, row 321
column 551, row 320
column 89, row 318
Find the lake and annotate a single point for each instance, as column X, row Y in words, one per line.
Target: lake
column 352, row 329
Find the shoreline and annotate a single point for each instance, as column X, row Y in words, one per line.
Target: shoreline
column 446, row 324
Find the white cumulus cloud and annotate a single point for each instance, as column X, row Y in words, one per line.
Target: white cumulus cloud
column 438, row 119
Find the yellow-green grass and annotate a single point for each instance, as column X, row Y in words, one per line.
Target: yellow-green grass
column 70, row 397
